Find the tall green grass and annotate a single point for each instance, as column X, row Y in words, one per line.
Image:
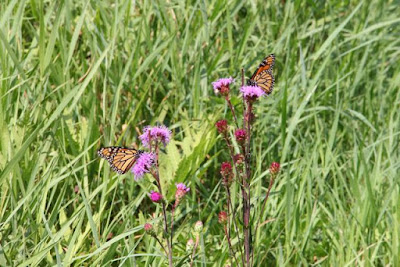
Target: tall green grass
column 76, row 75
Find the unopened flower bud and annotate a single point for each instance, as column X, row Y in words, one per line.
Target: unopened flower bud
column 222, row 126
column 239, row 159
column 274, row 168
column 181, row 191
column 148, row 228
column 240, row 135
column 222, row 217
column 227, row 173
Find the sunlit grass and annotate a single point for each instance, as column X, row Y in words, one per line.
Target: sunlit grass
column 77, row 75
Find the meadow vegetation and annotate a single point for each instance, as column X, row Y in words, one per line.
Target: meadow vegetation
column 78, row 75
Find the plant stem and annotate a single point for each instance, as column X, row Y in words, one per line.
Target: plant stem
column 246, row 183
column 230, row 244
column 159, row 242
column 271, row 182
column 230, row 206
column 157, row 177
column 228, row 101
column 172, row 221
column 194, row 250
column 230, row 148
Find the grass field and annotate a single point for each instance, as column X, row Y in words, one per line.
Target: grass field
column 79, row 75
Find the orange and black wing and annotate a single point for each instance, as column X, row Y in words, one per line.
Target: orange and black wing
column 121, row 159
column 266, row 65
column 265, row 80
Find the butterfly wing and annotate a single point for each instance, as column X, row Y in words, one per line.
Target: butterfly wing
column 121, row 159
column 266, row 65
column 265, row 80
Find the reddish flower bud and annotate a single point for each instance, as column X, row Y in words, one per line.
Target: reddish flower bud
column 148, row 228
column 274, row 168
column 239, row 159
column 227, row 173
column 181, row 191
column 222, row 217
column 222, row 126
column 240, row 135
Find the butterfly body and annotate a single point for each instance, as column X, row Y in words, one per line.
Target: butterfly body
column 121, row 159
column 263, row 76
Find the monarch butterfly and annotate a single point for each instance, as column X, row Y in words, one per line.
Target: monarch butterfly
column 263, row 76
column 121, row 159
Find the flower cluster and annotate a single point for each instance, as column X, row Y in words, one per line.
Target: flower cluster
column 143, row 164
column 251, row 93
column 155, row 134
column 221, row 86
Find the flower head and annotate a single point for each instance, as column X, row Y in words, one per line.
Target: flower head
column 222, row 217
column 251, row 93
column 226, row 172
column 143, row 164
column 240, row 135
column 155, row 196
column 274, row 168
column 156, row 133
column 181, row 190
column 222, row 85
column 222, row 126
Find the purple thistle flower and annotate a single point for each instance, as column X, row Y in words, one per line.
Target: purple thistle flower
column 155, row 196
column 251, row 92
column 156, row 133
column 143, row 164
column 222, row 85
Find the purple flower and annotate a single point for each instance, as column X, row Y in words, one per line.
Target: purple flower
column 155, row 196
column 222, row 85
column 251, row 92
column 143, row 164
column 182, row 187
column 156, row 133
column 181, row 190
